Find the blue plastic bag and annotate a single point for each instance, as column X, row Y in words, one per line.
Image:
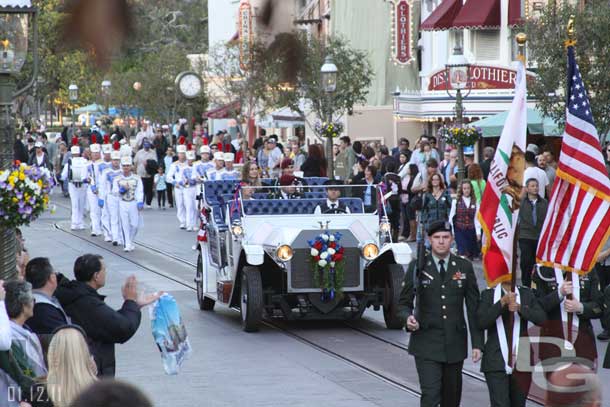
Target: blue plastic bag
column 169, row 333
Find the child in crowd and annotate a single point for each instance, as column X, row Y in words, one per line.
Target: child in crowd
column 160, row 187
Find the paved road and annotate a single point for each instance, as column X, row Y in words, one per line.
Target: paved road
column 228, row 367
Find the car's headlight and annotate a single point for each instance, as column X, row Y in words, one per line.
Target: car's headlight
column 237, row 230
column 370, row 251
column 284, row 252
column 385, row 227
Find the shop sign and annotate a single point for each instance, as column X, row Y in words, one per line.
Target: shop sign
column 401, row 29
column 245, row 33
column 481, row 77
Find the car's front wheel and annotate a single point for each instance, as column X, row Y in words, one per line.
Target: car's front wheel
column 393, row 287
column 251, row 308
column 205, row 303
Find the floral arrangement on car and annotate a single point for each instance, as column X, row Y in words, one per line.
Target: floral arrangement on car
column 332, row 130
column 327, row 263
column 24, row 194
column 463, row 136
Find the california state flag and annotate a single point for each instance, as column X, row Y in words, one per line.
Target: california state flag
column 499, row 209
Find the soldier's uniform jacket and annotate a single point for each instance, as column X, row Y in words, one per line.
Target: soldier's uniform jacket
column 547, row 292
column 487, row 314
column 442, row 334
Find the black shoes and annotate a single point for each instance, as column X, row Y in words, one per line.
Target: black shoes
column 604, row 336
column 115, row 243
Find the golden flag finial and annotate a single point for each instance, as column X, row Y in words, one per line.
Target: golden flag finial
column 521, row 39
column 571, row 41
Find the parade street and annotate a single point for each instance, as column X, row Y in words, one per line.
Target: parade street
column 307, row 364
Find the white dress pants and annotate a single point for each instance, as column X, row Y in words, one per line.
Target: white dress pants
column 179, row 196
column 130, row 219
column 112, row 203
column 190, row 203
column 78, row 200
column 95, row 212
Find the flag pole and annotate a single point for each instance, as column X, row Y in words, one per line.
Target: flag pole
column 570, row 42
column 521, row 41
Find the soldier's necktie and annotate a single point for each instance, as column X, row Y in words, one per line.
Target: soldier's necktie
column 333, row 206
column 441, row 264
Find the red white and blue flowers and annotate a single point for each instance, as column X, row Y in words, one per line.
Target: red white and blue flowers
column 327, row 263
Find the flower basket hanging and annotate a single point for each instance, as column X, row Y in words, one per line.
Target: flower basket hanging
column 24, row 194
column 332, row 130
column 460, row 136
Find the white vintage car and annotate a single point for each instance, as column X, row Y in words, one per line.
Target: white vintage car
column 257, row 256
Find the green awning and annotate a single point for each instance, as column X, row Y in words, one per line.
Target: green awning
column 536, row 124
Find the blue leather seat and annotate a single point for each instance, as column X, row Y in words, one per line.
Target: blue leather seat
column 214, row 190
column 318, row 194
column 315, row 180
column 214, row 193
column 294, row 206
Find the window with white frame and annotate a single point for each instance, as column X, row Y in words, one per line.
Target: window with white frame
column 486, row 44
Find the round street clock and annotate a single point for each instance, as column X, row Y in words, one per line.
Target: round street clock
column 189, row 84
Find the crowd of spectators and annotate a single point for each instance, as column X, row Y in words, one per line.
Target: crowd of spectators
column 58, row 336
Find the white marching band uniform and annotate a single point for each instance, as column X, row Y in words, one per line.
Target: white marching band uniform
column 130, row 192
column 175, row 176
column 110, row 203
column 95, row 211
column 190, row 198
column 75, row 171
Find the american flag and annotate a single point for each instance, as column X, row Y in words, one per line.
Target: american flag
column 577, row 223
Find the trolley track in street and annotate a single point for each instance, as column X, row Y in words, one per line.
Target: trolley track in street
column 330, row 344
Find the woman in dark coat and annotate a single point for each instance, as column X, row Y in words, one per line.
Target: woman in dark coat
column 368, row 192
column 315, row 164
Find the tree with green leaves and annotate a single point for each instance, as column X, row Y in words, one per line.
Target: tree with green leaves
column 547, row 54
column 287, row 73
column 354, row 77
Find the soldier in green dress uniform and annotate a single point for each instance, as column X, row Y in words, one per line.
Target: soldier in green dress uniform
column 438, row 328
column 508, row 387
column 551, row 294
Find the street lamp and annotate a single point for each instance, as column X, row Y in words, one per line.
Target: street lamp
column 106, row 84
column 329, row 85
column 458, row 70
column 15, row 16
column 137, row 86
column 73, row 96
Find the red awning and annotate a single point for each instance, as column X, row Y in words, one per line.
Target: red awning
column 514, row 13
column 224, row 112
column 478, row 14
column 442, row 16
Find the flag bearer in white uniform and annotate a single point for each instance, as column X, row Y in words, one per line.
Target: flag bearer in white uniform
column 176, row 178
column 229, row 173
column 75, row 171
column 190, row 191
column 95, row 212
column 130, row 191
column 109, row 201
column 215, row 174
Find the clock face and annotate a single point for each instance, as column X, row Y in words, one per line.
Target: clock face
column 190, row 85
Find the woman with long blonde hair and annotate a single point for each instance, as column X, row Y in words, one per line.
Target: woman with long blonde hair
column 71, row 368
